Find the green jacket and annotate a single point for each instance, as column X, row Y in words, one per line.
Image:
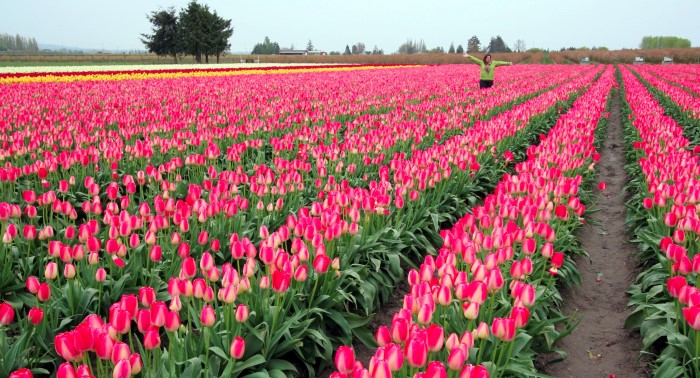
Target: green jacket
column 488, row 75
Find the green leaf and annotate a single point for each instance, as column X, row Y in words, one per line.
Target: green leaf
column 219, row 352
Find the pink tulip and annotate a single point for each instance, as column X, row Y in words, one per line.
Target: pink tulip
column 7, row 314
column 35, row 316
column 345, row 359
column 416, row 352
column 237, row 348
column 66, row 370
column 207, row 316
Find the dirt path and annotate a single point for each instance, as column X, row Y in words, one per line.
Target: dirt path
column 600, row 346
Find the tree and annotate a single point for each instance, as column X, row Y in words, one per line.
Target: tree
column 220, row 32
column 377, row 51
column 460, row 49
column 17, row 42
column 266, row 48
column 310, row 46
column 347, row 50
column 497, row 45
column 451, row 50
column 411, row 47
column 437, row 50
column 203, row 33
column 473, row 44
column 164, row 40
column 193, row 37
column 519, row 45
column 661, row 42
column 358, row 48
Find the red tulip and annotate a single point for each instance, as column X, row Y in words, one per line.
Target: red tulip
column 147, row 295
column 242, row 313
column 383, row 336
column 64, row 346
column 44, row 293
column 36, row 315
column 120, row 352
column 393, row 355
column 416, row 352
column 207, row 316
column 151, row 339
column 435, row 370
column 520, row 315
column 21, row 373
column 345, row 359
column 122, row 369
column 321, row 263
column 32, row 284
column 436, row 338
column 51, row 271
column 100, row 275
column 692, row 316
column 280, row 281
column 104, row 345
column 120, row 320
column 456, row 359
column 503, row 329
column 7, row 314
column 66, row 370
column 136, row 363
column 172, row 321
column 557, row 259
column 237, row 348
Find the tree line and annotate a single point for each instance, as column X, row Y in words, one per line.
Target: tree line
column 9, row 42
column 660, row 42
column 195, row 31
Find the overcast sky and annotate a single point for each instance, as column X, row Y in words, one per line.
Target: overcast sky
column 331, row 24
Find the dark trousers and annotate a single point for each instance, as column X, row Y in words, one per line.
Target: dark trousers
column 485, row 84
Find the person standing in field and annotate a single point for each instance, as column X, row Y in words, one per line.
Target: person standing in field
column 488, row 67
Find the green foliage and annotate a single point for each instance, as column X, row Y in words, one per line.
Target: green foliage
column 412, row 47
column 17, row 42
column 497, row 45
column 267, row 47
column 473, row 45
column 451, row 50
column 663, row 42
column 460, row 49
column 196, row 31
column 164, row 40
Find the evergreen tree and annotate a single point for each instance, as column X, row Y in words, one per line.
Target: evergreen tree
column 310, row 46
column 460, row 49
column 473, row 45
column 164, row 40
column 266, row 48
column 452, row 48
column 347, row 50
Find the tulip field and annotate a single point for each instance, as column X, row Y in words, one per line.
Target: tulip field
column 190, row 222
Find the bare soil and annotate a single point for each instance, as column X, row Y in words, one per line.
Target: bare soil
column 600, row 346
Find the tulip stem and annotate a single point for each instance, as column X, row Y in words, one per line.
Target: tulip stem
column 206, row 352
column 696, row 362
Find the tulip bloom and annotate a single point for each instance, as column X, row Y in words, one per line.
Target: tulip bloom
column 237, row 348
column 416, row 352
column 35, row 316
column 21, row 373
column 207, row 316
column 345, row 359
column 66, row 370
column 7, row 314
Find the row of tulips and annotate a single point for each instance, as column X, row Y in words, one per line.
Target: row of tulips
column 71, row 76
column 681, row 77
column 663, row 211
column 682, row 105
column 474, row 310
column 79, row 292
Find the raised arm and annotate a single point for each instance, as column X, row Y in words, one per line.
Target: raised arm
column 473, row 59
column 497, row 63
